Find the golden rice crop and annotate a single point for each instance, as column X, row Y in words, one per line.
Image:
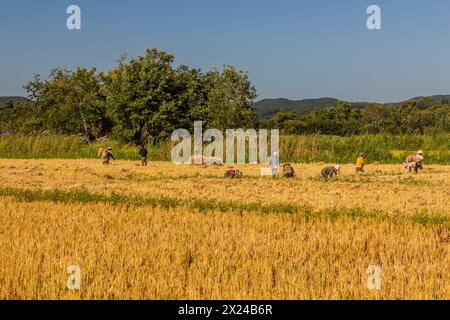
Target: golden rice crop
column 179, row 254
column 384, row 188
column 132, row 251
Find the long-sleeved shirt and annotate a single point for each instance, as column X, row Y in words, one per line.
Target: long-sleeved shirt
column 274, row 161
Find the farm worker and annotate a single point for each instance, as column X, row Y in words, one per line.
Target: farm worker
column 238, row 174
column 419, row 161
column 274, row 164
column 360, row 163
column 231, row 173
column 107, row 156
column 328, row 172
column 288, row 171
column 409, row 166
column 143, row 153
column 414, row 162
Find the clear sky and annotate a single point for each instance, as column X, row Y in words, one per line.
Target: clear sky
column 292, row 49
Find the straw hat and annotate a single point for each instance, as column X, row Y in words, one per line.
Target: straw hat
column 420, row 152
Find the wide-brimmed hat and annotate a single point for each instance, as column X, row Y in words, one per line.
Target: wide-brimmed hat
column 362, row 154
column 109, row 148
column 420, row 152
column 337, row 167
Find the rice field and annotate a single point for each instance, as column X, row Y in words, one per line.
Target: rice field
column 185, row 232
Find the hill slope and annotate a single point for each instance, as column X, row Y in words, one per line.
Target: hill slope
column 267, row 108
column 13, row 99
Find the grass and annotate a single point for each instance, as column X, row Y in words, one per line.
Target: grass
column 379, row 148
column 64, row 147
column 297, row 149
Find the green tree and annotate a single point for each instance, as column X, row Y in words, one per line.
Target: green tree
column 70, row 102
column 375, row 118
column 142, row 97
column 230, row 100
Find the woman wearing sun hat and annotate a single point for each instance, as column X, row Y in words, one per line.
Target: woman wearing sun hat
column 414, row 162
column 419, row 161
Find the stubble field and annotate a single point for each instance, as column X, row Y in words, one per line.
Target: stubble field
column 184, row 232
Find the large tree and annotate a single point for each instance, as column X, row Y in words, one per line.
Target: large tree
column 143, row 96
column 71, row 102
column 230, row 100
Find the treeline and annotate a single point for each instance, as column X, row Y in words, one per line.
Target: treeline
column 142, row 100
column 424, row 116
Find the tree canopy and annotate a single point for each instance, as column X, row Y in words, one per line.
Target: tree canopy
column 424, row 116
column 143, row 99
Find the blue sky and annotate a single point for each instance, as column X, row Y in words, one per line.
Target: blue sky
column 292, row 49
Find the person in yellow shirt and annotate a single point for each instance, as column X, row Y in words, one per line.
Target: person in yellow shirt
column 360, row 163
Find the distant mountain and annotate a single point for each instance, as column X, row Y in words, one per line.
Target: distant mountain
column 436, row 98
column 13, row 99
column 268, row 108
